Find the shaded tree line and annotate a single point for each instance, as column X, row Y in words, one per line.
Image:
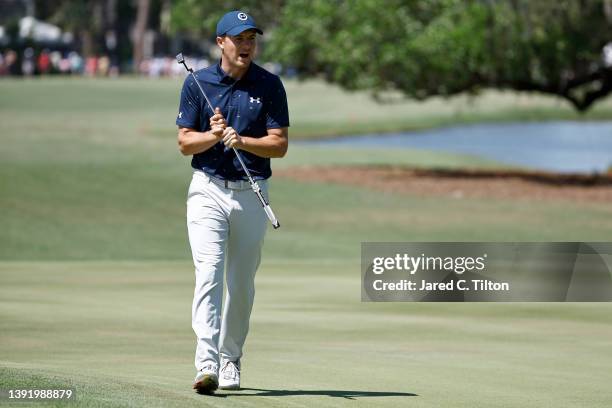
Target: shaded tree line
column 445, row 47
column 420, row 48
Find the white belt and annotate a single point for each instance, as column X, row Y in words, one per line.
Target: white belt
column 232, row 185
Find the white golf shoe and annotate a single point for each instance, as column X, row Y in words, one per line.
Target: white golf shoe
column 207, row 380
column 229, row 377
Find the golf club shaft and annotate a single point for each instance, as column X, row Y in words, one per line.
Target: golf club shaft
column 252, row 182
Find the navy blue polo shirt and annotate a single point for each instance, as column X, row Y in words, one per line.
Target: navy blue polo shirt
column 252, row 105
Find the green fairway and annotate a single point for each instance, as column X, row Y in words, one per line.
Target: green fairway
column 96, row 280
column 316, row 109
column 88, row 172
column 119, row 333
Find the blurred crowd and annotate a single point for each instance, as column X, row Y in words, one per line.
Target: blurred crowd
column 169, row 67
column 46, row 62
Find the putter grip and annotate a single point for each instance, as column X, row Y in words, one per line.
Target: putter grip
column 271, row 216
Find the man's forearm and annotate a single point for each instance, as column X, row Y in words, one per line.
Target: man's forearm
column 193, row 142
column 267, row 146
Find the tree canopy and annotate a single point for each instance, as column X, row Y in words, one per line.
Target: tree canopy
column 444, row 47
column 201, row 16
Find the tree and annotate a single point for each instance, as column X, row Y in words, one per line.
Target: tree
column 112, row 27
column 201, row 16
column 84, row 18
column 445, row 47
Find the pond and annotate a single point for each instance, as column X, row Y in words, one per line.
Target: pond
column 561, row 146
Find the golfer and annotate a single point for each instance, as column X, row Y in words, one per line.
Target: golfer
column 225, row 220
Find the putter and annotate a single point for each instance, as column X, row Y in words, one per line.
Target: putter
column 254, row 185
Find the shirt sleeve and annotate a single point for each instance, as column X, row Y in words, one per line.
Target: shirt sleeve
column 189, row 105
column 277, row 114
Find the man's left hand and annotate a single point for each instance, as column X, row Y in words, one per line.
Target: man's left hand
column 231, row 138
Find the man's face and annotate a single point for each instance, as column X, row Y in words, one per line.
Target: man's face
column 238, row 50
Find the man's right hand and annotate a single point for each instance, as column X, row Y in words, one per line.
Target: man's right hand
column 217, row 124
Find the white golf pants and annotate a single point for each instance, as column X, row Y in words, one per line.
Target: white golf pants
column 224, row 225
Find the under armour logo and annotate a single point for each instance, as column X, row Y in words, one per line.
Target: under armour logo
column 180, row 115
column 253, row 100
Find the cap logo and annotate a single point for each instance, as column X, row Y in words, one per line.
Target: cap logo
column 242, row 16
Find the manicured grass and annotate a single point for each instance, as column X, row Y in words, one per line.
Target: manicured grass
column 86, row 176
column 129, row 212
column 119, row 332
column 316, row 108
column 96, row 281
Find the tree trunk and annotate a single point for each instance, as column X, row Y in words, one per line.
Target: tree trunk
column 608, row 10
column 87, row 44
column 142, row 15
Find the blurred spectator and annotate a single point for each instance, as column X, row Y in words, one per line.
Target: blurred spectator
column 176, row 70
column 10, row 63
column 27, row 64
column 155, row 67
column 55, row 57
column 64, row 65
column 144, row 67
column 114, row 67
column 103, row 65
column 76, row 63
column 44, row 62
column 91, row 66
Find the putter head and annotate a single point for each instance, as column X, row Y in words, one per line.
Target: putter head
column 179, row 58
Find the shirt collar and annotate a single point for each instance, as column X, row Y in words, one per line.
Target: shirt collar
column 226, row 79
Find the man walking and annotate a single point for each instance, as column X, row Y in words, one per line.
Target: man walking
column 225, row 220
